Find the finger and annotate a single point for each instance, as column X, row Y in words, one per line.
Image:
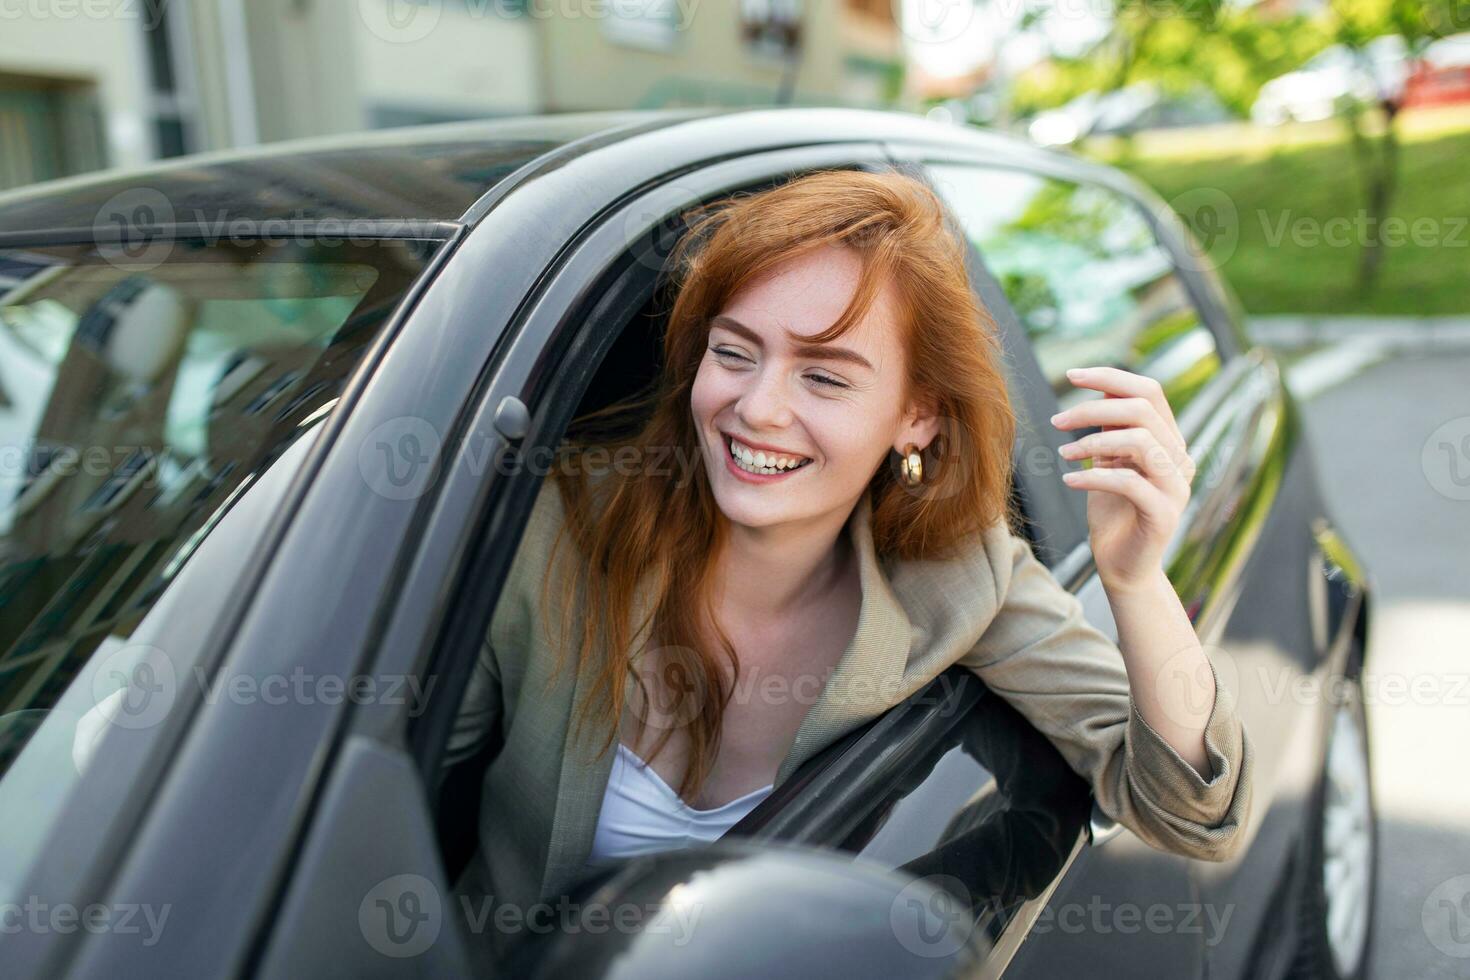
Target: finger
column 1121, row 413
column 1127, row 384
column 1127, row 483
column 1124, row 384
column 1134, row 446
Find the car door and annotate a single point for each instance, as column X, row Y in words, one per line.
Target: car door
column 567, row 328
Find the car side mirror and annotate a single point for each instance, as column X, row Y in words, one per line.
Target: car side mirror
column 740, row 908
column 1101, row 828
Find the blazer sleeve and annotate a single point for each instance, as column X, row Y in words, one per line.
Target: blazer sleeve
column 1069, row 680
column 479, row 712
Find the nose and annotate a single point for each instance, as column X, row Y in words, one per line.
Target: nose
column 764, row 405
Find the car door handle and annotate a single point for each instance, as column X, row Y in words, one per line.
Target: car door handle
column 1101, row 827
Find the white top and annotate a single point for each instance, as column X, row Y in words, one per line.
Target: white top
column 642, row 814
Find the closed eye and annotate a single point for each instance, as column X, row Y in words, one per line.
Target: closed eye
column 821, row 379
column 726, row 352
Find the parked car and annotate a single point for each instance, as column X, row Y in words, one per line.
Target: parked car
column 1336, row 78
column 272, row 417
column 1130, row 109
column 1441, row 75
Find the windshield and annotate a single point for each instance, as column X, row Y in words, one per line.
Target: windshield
column 143, row 407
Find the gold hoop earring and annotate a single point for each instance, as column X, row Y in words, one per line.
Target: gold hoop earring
column 912, row 466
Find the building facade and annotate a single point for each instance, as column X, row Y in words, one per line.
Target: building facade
column 86, row 84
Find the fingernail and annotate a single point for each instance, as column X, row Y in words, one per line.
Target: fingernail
column 1075, row 372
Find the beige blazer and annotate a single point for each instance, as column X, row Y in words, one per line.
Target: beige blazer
column 996, row 610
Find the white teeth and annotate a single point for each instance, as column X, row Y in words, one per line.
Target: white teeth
column 762, row 462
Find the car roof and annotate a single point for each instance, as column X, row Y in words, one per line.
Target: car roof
column 422, row 174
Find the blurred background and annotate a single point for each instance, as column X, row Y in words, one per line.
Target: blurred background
column 1334, row 130
column 1320, row 150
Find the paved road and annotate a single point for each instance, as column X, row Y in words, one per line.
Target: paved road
column 1393, row 462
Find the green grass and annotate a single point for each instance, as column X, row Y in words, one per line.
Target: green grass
column 1284, row 186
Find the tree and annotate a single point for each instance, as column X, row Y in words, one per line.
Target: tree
column 1357, row 23
column 1230, row 49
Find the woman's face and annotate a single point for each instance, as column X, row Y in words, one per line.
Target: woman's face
column 835, row 409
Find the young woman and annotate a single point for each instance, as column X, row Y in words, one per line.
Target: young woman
column 840, row 535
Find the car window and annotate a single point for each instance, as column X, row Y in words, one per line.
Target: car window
column 992, row 812
column 144, row 406
column 1086, row 276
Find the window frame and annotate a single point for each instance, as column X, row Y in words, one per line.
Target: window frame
column 621, row 286
column 834, row 792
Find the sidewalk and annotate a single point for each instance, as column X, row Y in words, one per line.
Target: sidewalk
column 1396, row 332
column 1318, row 352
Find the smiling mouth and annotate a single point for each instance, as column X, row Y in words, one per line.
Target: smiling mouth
column 762, row 463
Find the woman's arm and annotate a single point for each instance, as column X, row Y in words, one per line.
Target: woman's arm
column 1169, row 676
column 1069, row 680
column 1137, row 488
column 1142, row 720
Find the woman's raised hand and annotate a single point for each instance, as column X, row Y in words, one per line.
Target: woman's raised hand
column 1139, row 482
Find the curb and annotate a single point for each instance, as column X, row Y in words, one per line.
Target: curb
column 1394, row 333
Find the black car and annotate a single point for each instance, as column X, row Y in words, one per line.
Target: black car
column 271, row 419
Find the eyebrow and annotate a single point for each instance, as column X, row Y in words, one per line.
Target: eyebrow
column 822, row 351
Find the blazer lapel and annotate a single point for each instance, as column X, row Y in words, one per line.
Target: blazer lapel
column 855, row 692
column 877, row 654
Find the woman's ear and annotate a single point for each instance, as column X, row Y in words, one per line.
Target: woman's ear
column 920, row 425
